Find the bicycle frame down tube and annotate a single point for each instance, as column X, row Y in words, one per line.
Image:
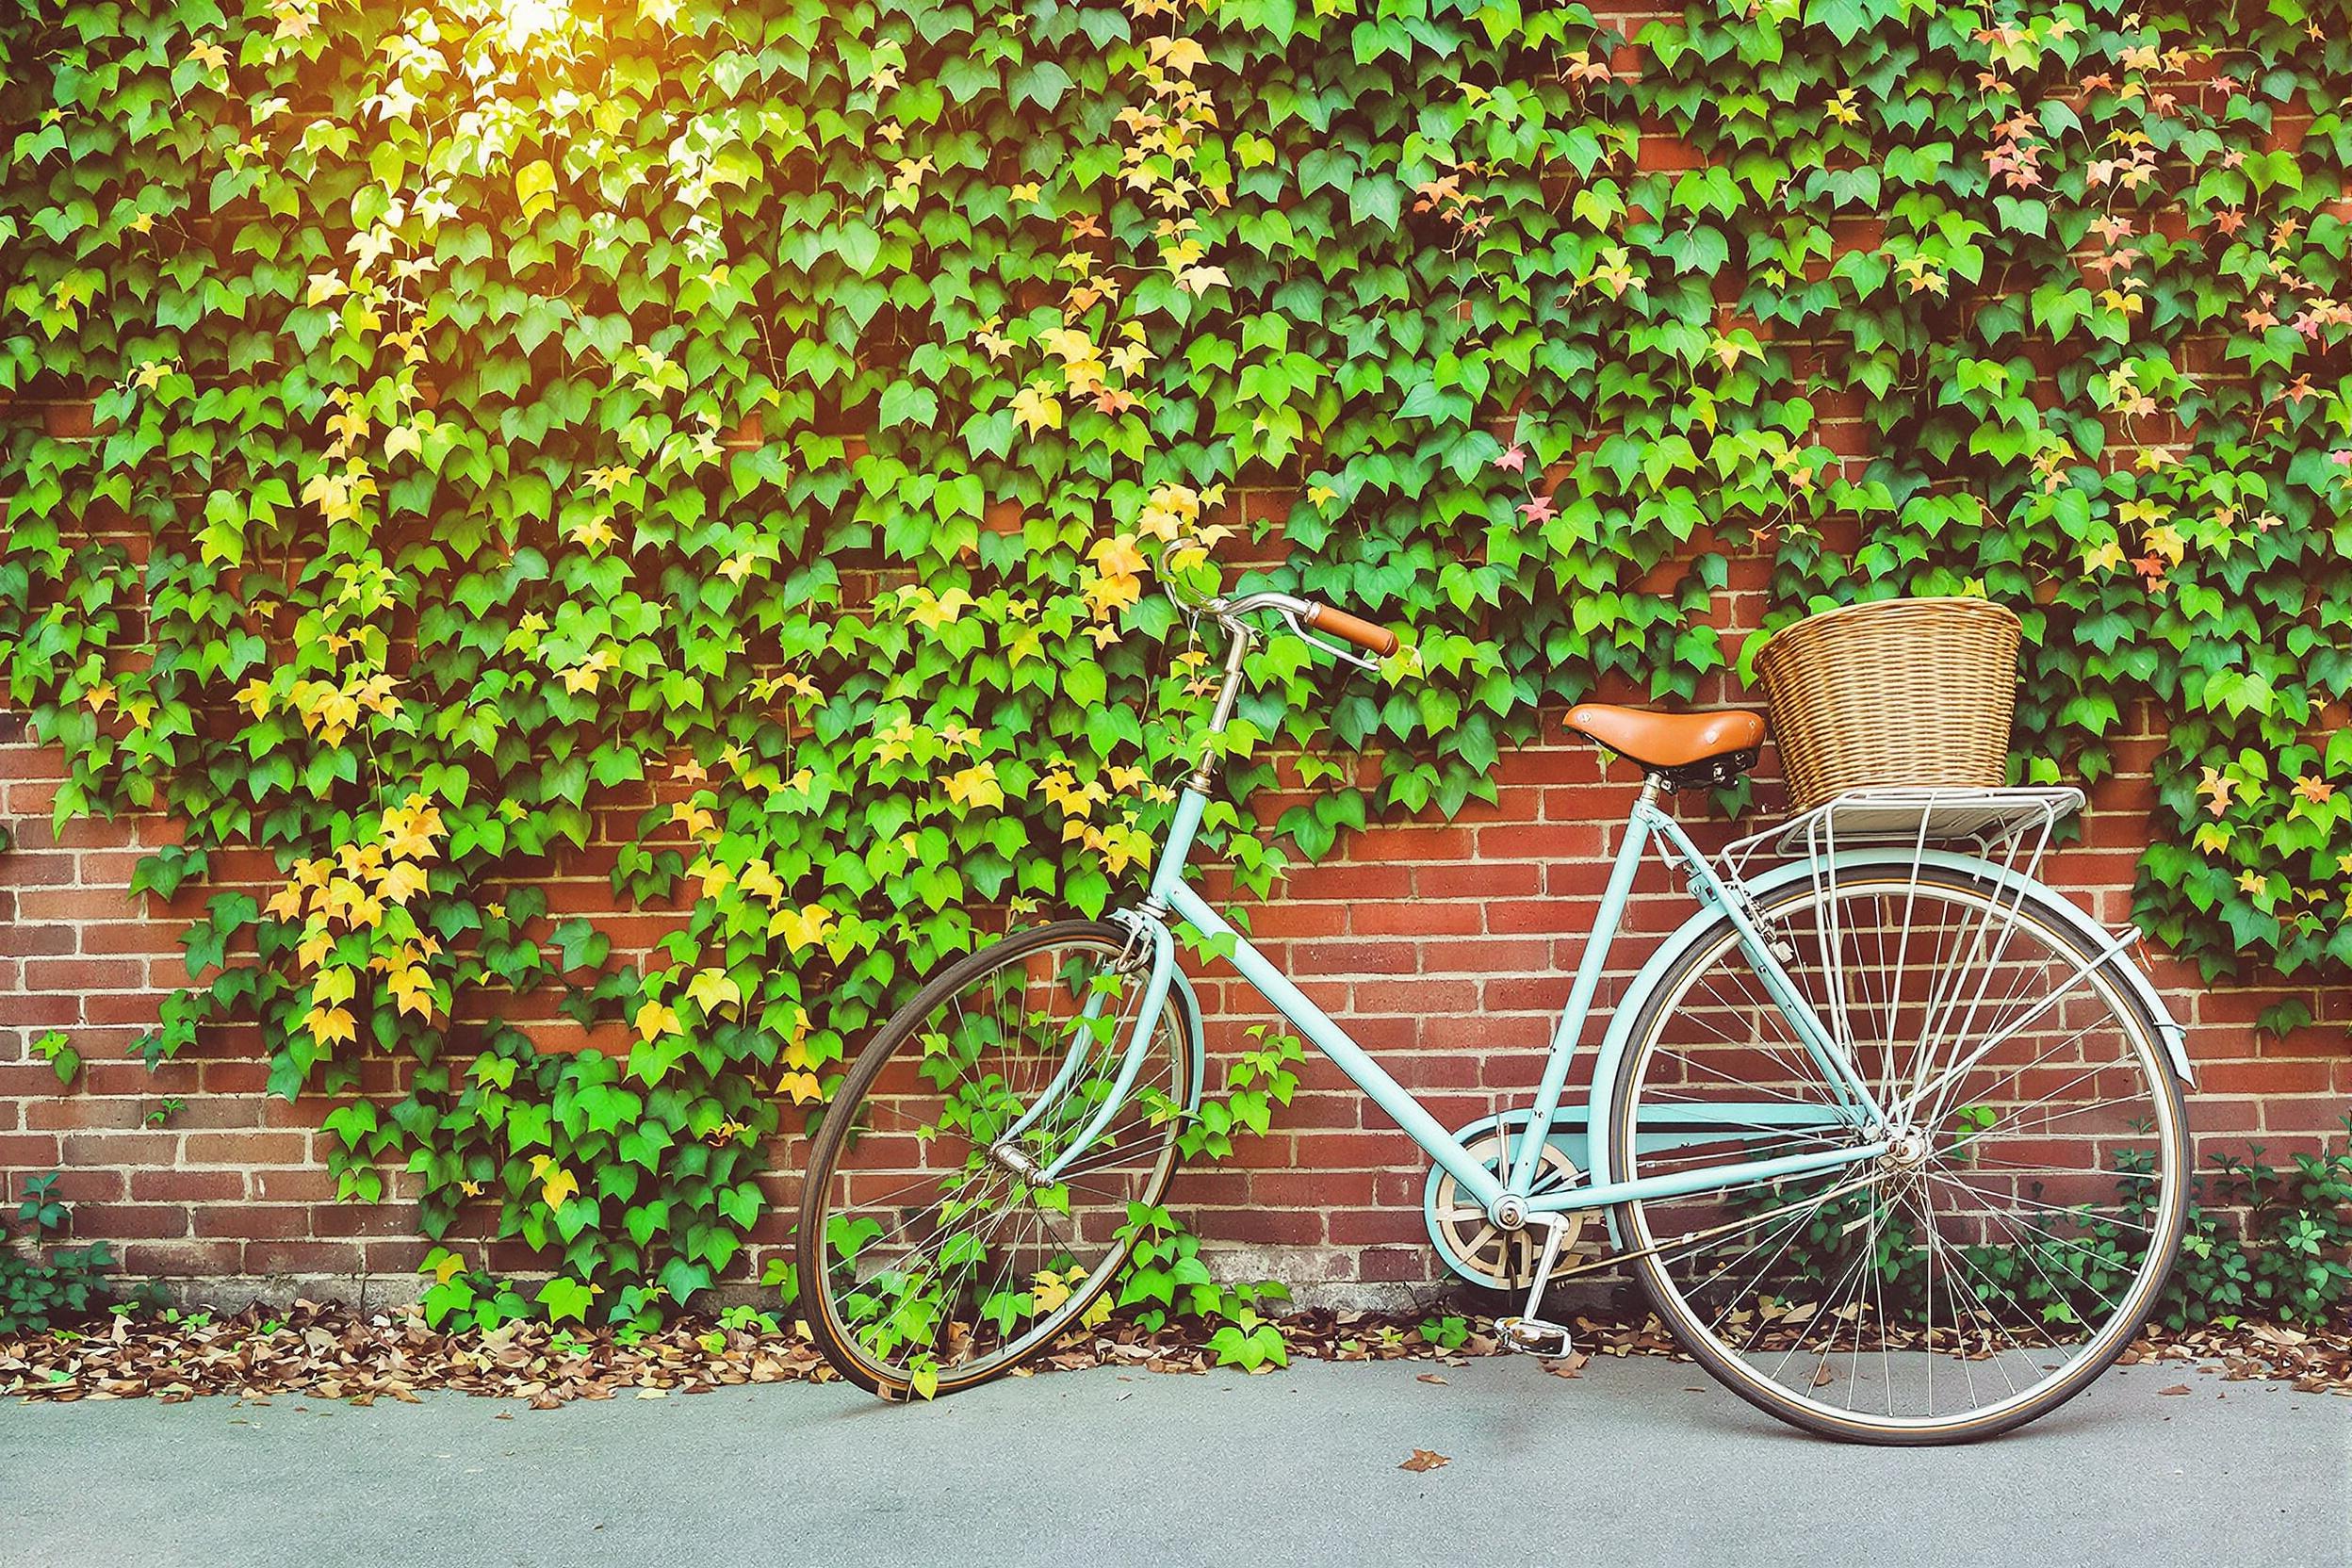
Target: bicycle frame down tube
column 1335, row 1043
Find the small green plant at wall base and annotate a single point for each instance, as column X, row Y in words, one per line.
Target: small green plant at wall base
column 1167, row 1280
column 744, row 1319
column 2290, row 1261
column 781, row 1277
column 1448, row 1332
column 463, row 1298
column 1250, row 1342
column 70, row 1283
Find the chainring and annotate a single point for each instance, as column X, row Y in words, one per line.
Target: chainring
column 1473, row 1245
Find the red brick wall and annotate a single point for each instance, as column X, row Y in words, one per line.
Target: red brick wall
column 1444, row 947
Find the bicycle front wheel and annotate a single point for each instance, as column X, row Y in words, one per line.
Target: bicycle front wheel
column 934, row 1250
column 2007, row 1246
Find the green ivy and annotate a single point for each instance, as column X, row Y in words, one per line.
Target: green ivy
column 510, row 414
column 39, row 1293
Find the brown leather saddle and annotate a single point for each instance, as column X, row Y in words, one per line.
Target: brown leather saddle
column 1684, row 750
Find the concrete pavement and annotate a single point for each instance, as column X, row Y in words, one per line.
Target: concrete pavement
column 1636, row 1462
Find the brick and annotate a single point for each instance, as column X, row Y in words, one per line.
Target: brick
column 247, row 1148
column 172, row 1185
column 2265, row 1078
column 134, row 1221
column 1416, row 918
column 302, row 1257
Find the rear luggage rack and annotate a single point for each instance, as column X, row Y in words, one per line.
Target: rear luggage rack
column 2012, row 826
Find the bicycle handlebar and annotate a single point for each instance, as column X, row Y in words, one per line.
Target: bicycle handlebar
column 1349, row 629
column 1312, row 614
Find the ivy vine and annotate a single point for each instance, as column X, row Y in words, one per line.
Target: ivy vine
column 508, row 412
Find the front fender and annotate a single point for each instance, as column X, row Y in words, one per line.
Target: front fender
column 1191, row 1006
column 1617, row 1039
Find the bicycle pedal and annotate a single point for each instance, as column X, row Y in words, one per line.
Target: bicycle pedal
column 1535, row 1336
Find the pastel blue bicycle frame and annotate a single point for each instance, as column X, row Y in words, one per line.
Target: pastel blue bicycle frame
column 1857, row 1107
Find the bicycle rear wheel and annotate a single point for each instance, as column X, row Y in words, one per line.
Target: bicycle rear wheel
column 1993, row 1262
column 934, row 1253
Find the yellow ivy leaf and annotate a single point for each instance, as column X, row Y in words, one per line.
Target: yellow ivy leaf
column 1037, row 409
column 534, row 187
column 975, row 787
column 558, row 1187
column 654, row 1020
column 403, row 881
column 931, row 613
column 713, row 988
column 329, row 1024
column 802, row 928
column 1182, row 55
column 799, row 1087
column 2218, row 791
column 2108, row 557
column 760, row 882
column 413, row 989
column 1047, row 1290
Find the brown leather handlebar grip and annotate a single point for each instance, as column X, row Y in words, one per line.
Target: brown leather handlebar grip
column 1350, row 628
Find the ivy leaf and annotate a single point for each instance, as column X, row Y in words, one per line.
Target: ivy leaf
column 907, row 403
column 580, row 945
column 564, row 1299
column 534, row 188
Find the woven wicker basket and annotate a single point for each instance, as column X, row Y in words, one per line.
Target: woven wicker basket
column 1899, row 692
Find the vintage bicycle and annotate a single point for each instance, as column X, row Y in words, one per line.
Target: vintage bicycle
column 1891, row 1133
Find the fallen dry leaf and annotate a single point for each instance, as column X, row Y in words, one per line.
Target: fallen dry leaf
column 1426, row 1459
column 2176, row 1388
column 1430, row 1378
